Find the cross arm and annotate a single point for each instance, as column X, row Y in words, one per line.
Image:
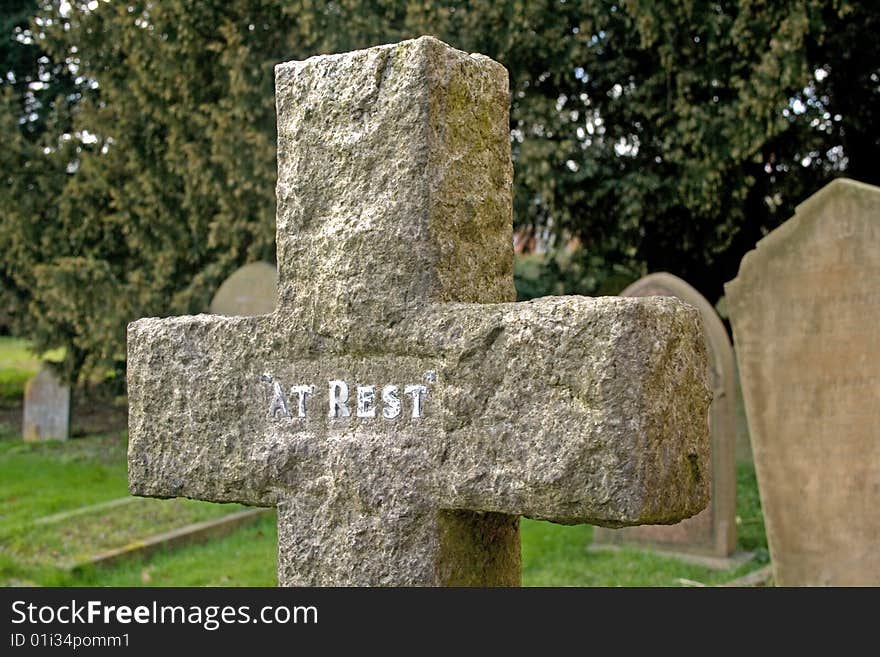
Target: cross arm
column 574, row 409
column 568, row 409
column 194, row 430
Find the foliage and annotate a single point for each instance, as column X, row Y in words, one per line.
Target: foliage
column 732, row 124
column 660, row 135
column 36, row 98
column 33, row 84
column 17, row 365
column 566, row 272
column 164, row 190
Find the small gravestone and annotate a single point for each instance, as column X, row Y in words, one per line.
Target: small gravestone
column 805, row 312
column 249, row 290
column 710, row 536
column 397, row 407
column 46, row 408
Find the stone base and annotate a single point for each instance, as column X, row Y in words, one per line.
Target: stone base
column 712, row 562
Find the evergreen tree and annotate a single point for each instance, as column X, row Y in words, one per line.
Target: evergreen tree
column 36, row 96
column 660, row 135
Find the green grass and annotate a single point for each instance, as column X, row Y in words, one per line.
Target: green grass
column 750, row 533
column 41, row 479
column 68, row 542
column 555, row 555
column 247, row 557
column 47, row 478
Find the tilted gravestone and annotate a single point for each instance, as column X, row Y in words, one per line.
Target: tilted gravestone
column 397, row 407
column 805, row 313
column 249, row 290
column 46, row 413
column 711, row 534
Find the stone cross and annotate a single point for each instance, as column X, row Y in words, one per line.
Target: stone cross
column 397, row 407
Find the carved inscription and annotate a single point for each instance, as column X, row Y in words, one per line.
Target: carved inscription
column 362, row 401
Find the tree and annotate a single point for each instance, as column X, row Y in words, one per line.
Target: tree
column 697, row 127
column 36, row 94
column 658, row 135
column 174, row 186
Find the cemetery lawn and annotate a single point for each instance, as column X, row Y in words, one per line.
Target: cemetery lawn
column 38, row 480
column 65, row 502
column 53, row 479
column 554, row 555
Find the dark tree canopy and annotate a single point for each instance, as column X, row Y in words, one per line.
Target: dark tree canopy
column 659, row 135
column 36, row 97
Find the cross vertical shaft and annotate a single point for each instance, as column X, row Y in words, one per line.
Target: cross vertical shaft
column 394, row 192
column 394, row 184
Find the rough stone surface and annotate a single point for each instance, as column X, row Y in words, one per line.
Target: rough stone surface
column 395, row 266
column 805, row 312
column 249, row 290
column 46, row 408
column 713, row 530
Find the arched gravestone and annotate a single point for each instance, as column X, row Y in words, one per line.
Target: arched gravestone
column 249, row 291
column 805, row 312
column 712, row 532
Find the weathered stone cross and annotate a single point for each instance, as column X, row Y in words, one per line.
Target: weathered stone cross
column 398, row 410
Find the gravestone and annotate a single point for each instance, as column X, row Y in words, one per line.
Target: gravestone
column 805, row 313
column 397, row 407
column 711, row 534
column 249, row 290
column 46, row 408
column 743, row 442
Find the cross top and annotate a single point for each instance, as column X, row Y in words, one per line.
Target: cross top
column 397, row 407
column 394, row 182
